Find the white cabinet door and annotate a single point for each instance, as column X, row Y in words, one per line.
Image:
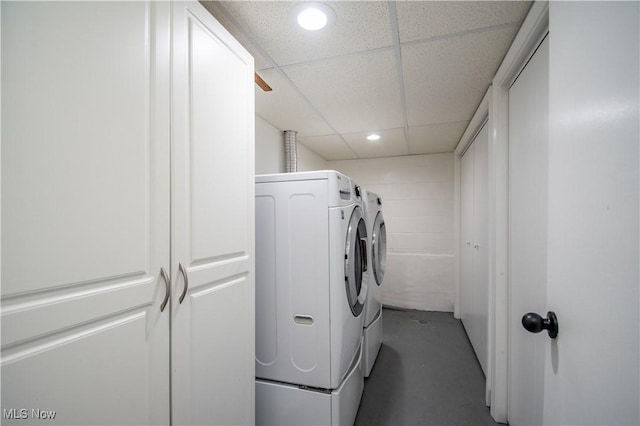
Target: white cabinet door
column 213, row 372
column 85, row 212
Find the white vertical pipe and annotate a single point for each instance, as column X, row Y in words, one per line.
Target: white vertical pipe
column 290, row 151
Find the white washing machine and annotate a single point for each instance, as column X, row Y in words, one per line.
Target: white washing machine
column 311, row 258
column 376, row 230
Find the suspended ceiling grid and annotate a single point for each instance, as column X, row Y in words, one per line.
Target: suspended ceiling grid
column 412, row 71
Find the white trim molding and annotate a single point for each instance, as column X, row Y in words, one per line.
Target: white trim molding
column 478, row 120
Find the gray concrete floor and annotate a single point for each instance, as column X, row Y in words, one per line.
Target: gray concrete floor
column 426, row 374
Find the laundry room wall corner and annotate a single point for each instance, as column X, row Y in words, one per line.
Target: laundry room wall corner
column 270, row 151
column 269, row 148
column 309, row 161
column 417, row 200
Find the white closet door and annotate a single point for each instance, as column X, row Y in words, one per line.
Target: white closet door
column 213, row 364
column 85, row 217
column 474, row 262
column 480, row 246
column 466, row 234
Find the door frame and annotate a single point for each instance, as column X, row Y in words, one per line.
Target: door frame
column 494, row 108
column 533, row 30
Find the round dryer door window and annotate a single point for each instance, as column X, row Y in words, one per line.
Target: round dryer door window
column 379, row 248
column 355, row 263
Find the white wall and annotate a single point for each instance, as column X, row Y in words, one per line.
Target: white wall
column 309, row 160
column 269, row 148
column 417, row 202
column 270, row 151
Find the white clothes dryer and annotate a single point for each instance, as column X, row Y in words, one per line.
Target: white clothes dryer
column 311, row 257
column 376, row 230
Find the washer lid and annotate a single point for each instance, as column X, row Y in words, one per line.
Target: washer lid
column 355, row 262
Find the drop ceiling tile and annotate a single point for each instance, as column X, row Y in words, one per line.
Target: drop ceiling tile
column 392, row 143
column 329, row 147
column 436, row 138
column 239, row 33
column 359, row 26
column 355, row 93
column 419, row 20
column 284, row 108
column 446, row 79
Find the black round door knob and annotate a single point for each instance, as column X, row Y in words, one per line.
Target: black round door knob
column 535, row 323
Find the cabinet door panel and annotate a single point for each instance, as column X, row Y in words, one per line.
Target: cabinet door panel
column 70, row 145
column 213, row 377
column 216, row 310
column 218, row 146
column 69, row 373
column 85, row 210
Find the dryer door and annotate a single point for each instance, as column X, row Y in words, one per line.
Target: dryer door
column 379, row 248
column 355, row 262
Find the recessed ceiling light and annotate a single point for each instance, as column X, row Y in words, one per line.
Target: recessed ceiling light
column 373, row 137
column 313, row 16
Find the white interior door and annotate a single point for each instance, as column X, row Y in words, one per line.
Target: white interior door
column 592, row 374
column 85, row 212
column 528, row 141
column 582, row 200
column 213, row 372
